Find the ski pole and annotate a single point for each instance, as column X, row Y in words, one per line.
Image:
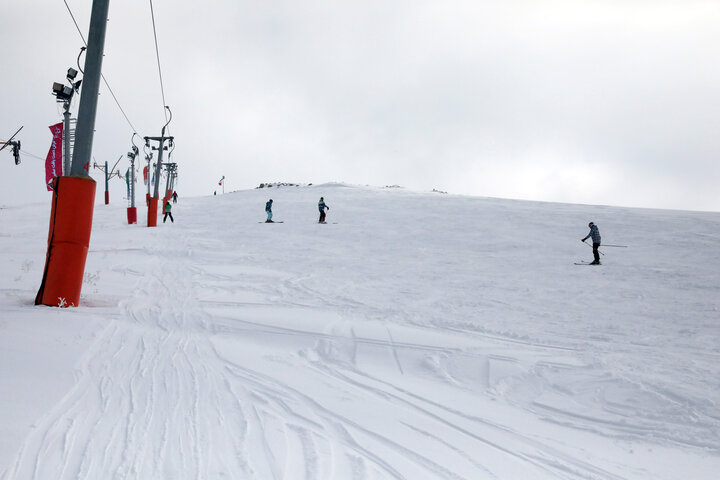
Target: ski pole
column 618, row 246
column 601, row 253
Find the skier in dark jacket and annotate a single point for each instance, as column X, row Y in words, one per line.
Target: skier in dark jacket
column 268, row 210
column 322, row 207
column 595, row 234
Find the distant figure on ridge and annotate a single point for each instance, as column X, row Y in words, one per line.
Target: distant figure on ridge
column 322, row 207
column 174, row 197
column 595, row 234
column 268, row 210
column 167, row 209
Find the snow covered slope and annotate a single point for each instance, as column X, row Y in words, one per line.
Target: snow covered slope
column 421, row 336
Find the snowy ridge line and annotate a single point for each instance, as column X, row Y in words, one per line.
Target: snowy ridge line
column 272, row 330
column 480, row 333
column 258, row 327
column 619, row 430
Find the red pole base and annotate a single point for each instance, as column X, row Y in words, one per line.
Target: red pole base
column 152, row 212
column 147, row 199
column 132, row 215
column 68, row 241
column 107, row 197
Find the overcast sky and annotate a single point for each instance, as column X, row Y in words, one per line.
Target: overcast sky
column 600, row 102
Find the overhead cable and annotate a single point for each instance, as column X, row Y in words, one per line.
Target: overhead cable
column 101, row 75
column 157, row 54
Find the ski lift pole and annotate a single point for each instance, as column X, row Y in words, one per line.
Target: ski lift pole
column 74, row 195
column 153, row 204
column 67, row 162
column 133, row 155
column 161, row 147
column 107, row 187
column 132, row 182
column 169, row 186
column 109, row 172
column 171, row 167
column 130, row 178
column 167, row 182
column 84, row 131
column 147, row 175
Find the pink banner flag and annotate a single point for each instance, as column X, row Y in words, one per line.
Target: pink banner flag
column 53, row 162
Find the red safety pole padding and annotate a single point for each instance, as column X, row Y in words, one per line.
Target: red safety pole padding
column 68, row 241
column 132, row 215
column 152, row 212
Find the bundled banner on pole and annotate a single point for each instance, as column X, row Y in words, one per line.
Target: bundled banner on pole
column 53, row 162
column 145, row 175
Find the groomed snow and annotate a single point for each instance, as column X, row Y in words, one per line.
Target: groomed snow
column 420, row 336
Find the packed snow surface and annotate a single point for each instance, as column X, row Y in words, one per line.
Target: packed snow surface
column 414, row 336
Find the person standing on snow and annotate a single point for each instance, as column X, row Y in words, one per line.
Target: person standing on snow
column 268, row 210
column 322, row 207
column 174, row 197
column 595, row 234
column 167, row 209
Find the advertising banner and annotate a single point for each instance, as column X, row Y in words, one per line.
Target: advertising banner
column 53, row 162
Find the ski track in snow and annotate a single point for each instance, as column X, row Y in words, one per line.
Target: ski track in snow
column 219, row 364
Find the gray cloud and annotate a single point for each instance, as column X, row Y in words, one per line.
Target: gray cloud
column 591, row 102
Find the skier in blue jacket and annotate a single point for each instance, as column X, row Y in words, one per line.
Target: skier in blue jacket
column 595, row 234
column 322, row 207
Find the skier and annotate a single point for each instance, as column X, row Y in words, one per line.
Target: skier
column 174, row 197
column 268, row 209
column 322, row 207
column 167, row 209
column 595, row 234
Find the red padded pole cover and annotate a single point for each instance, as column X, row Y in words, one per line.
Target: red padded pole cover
column 152, row 212
column 68, row 241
